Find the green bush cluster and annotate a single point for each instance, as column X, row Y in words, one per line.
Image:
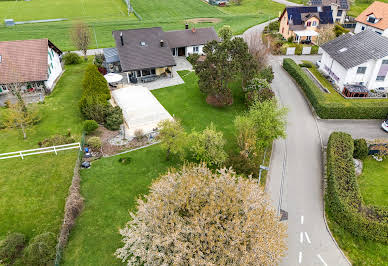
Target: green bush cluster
column 71, row 59
column 360, row 149
column 57, row 140
column 11, row 247
column 89, row 126
column 267, row 74
column 95, row 143
column 339, row 30
column 343, row 198
column 333, row 110
column 94, row 103
column 41, row 250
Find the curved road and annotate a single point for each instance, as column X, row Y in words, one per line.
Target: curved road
column 295, row 180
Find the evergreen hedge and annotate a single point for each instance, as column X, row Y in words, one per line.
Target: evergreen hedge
column 343, row 198
column 347, row 109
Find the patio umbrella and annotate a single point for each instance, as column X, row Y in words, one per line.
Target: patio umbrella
column 112, row 77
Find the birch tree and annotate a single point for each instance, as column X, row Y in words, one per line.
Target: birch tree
column 80, row 35
column 197, row 217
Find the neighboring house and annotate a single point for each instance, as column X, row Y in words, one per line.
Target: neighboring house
column 339, row 8
column 149, row 52
column 34, row 63
column 375, row 18
column 357, row 59
column 302, row 22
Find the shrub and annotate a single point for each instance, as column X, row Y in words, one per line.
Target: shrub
column 267, row 74
column 314, row 49
column 56, row 140
column 262, row 95
column 290, row 39
column 94, row 108
column 113, row 118
column 41, row 250
column 11, row 247
column 360, row 149
column 339, row 30
column 125, row 160
column 98, row 60
column 90, row 126
column 139, row 134
column 71, row 59
column 244, row 165
column 333, row 110
column 95, row 143
column 343, row 198
column 274, row 26
column 94, row 83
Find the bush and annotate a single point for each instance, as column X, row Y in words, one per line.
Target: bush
column 262, row 95
column 113, row 118
column 343, row 198
column 360, row 149
column 11, row 247
column 314, row 49
column 274, row 26
column 306, row 64
column 98, row 60
column 139, row 134
column 333, row 110
column 244, row 165
column 95, row 143
column 267, row 74
column 71, row 59
column 57, row 140
column 339, row 30
column 125, row 160
column 290, row 39
column 41, row 250
column 90, row 126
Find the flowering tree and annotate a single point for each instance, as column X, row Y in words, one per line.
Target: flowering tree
column 197, row 217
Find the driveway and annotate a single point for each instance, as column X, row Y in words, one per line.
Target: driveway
column 295, row 180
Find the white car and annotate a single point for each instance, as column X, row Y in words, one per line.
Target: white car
column 384, row 125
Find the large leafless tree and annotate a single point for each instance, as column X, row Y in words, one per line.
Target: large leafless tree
column 80, row 35
column 325, row 33
column 198, row 217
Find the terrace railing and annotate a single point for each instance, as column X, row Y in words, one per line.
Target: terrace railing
column 54, row 149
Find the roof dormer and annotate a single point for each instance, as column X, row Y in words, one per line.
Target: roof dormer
column 371, row 18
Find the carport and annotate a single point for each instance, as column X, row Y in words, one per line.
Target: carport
column 141, row 110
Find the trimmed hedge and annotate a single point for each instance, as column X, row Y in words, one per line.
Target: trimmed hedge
column 343, row 197
column 347, row 109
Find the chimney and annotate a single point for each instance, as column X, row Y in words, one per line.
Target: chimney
column 186, row 26
column 161, row 43
column 121, row 38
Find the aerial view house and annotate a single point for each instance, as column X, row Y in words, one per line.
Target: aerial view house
column 339, row 8
column 357, row 61
column 375, row 18
column 35, row 64
column 302, row 22
column 147, row 53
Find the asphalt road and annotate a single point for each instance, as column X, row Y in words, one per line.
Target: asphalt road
column 295, row 182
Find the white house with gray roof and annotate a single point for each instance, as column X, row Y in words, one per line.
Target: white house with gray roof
column 357, row 59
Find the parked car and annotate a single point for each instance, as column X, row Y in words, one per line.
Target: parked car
column 384, row 125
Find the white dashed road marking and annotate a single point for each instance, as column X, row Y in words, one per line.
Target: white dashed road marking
column 321, row 259
column 301, row 219
column 300, row 257
column 307, row 237
column 301, row 237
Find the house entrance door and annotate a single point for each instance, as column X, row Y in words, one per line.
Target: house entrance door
column 182, row 51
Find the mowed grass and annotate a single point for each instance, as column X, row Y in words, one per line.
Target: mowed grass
column 33, row 190
column 373, row 182
column 104, row 17
column 110, row 188
column 69, row 9
column 254, row 7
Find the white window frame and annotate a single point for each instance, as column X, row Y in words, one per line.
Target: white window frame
column 195, row 49
column 359, row 68
column 380, row 78
column 314, row 24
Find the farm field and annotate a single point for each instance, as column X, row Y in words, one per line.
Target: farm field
column 33, row 190
column 104, row 16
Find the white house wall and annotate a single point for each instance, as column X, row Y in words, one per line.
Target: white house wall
column 366, row 27
column 350, row 76
column 189, row 50
column 54, row 63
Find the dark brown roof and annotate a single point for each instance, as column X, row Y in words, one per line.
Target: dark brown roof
column 142, row 49
column 190, row 37
column 23, row 61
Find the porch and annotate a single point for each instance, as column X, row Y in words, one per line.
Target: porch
column 305, row 36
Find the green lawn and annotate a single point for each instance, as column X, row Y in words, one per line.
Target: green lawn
column 361, row 5
column 104, row 16
column 33, row 190
column 373, row 182
column 110, row 188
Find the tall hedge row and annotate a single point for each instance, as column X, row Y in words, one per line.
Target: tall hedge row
column 345, row 110
column 343, row 198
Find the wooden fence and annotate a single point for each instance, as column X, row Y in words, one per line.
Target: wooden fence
column 54, row 149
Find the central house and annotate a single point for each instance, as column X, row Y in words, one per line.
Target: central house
column 148, row 53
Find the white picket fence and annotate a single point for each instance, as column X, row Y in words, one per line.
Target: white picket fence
column 54, row 149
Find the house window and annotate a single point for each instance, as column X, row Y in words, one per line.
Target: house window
column 153, row 72
column 0, row 58
column 378, row 32
column 339, row 13
column 371, row 19
column 145, row 72
column 308, row 23
column 314, row 23
column 385, row 61
column 362, row 28
column 50, row 55
column 195, row 49
column 361, row 70
column 380, row 78
column 51, row 65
